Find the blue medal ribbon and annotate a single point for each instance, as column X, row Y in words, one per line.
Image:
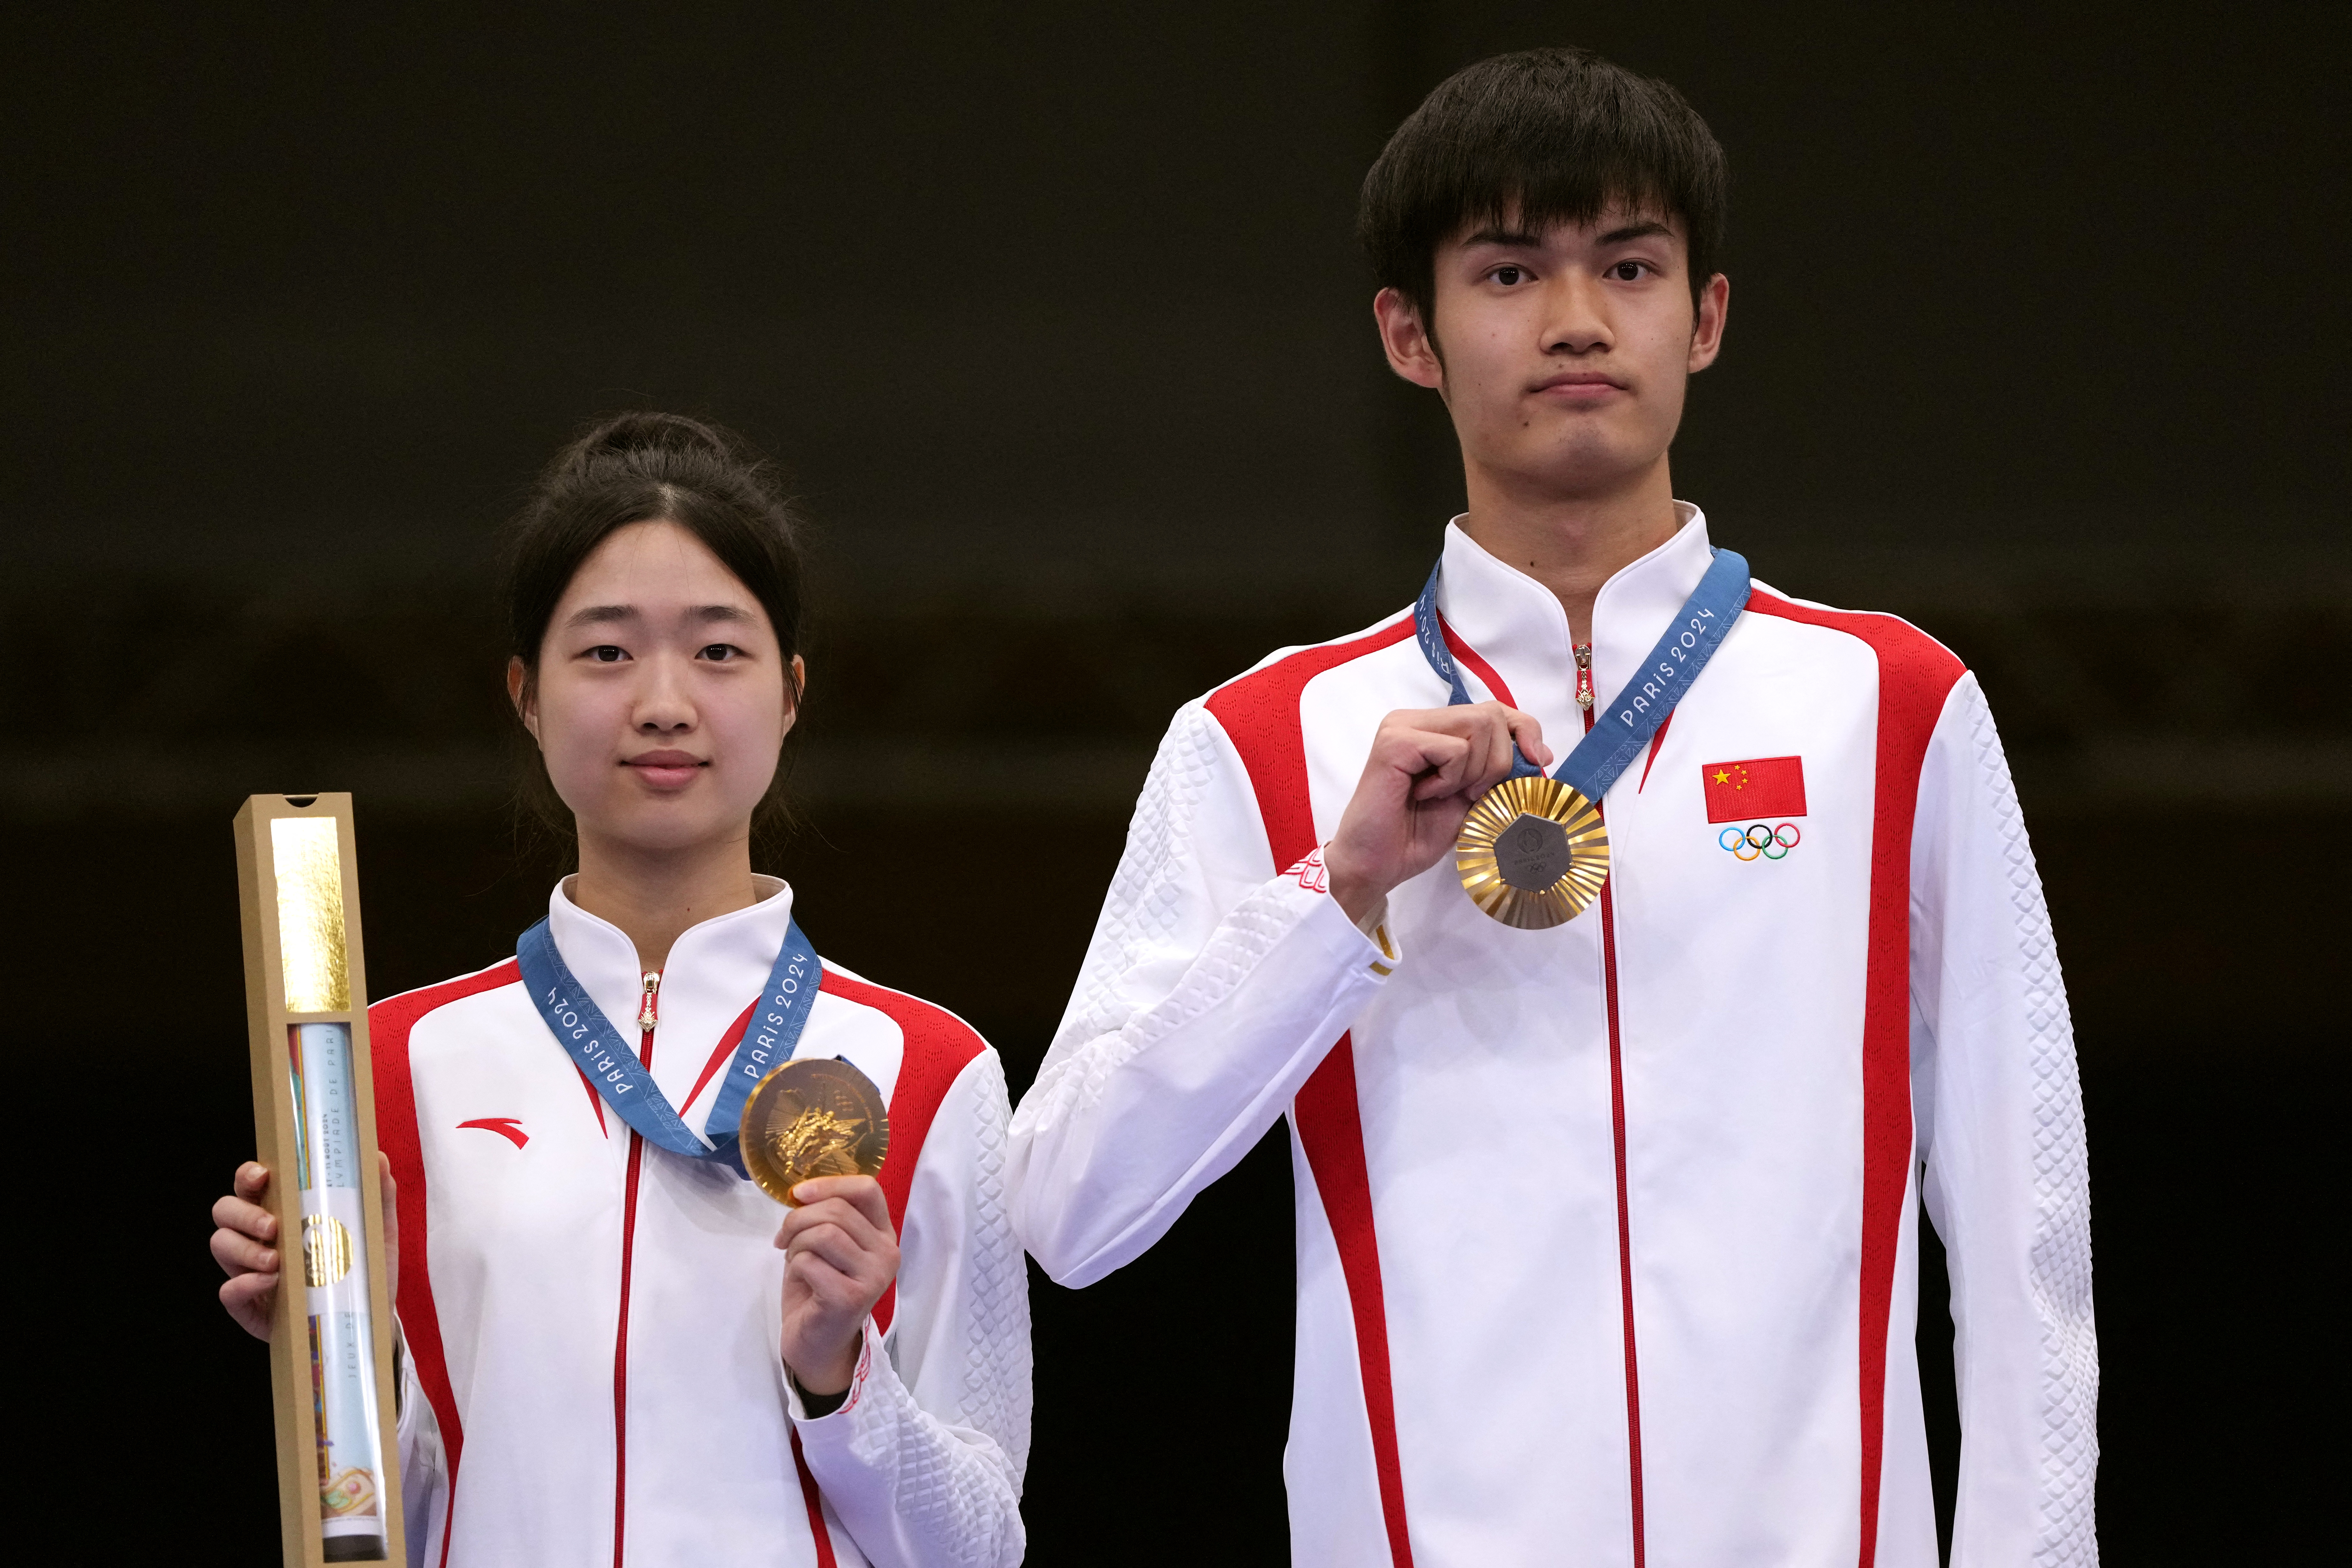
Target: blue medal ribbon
column 603, row 1056
column 1634, row 714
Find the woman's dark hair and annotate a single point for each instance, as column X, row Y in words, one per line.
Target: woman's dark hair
column 1533, row 138
column 645, row 468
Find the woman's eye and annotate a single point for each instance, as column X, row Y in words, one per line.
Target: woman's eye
column 1509, row 277
column 719, row 652
column 605, row 653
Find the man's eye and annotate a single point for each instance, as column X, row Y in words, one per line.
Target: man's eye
column 1509, row 277
column 1629, row 271
column 719, row 652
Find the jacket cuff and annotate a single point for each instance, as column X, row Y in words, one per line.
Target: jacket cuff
column 1377, row 953
column 868, row 1347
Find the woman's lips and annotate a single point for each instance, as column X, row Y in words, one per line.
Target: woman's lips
column 666, row 770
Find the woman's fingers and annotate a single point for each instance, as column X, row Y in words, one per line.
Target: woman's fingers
column 245, row 1218
column 251, row 1181
column 863, row 1195
column 238, row 1253
column 841, row 1237
column 251, row 1300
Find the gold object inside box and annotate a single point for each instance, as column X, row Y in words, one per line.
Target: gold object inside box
column 313, row 952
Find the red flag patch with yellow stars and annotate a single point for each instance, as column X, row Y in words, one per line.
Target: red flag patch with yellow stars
column 1760, row 787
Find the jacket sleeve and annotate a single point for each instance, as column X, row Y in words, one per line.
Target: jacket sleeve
column 423, row 1468
column 922, row 1462
column 1999, row 1113
column 1209, row 994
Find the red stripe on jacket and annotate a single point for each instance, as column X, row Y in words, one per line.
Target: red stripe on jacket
column 1915, row 676
column 1259, row 713
column 937, row 1046
column 397, row 1133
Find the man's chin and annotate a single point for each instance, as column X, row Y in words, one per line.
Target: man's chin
column 1581, row 464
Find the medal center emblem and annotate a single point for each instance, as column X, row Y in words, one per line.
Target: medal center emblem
column 1532, row 853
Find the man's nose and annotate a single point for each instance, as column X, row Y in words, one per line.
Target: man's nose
column 1576, row 315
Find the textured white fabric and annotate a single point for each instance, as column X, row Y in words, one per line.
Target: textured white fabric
column 1488, row 1107
column 1175, row 969
column 2007, row 1174
column 528, row 1276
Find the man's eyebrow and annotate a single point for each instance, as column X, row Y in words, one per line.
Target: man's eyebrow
column 1518, row 238
column 1496, row 235
column 1644, row 229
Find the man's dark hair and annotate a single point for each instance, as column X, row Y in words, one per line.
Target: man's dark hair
column 1533, row 138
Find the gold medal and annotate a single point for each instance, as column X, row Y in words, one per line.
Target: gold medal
column 1533, row 853
column 813, row 1116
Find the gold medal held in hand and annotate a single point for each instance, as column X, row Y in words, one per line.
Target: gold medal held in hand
column 813, row 1116
column 1532, row 853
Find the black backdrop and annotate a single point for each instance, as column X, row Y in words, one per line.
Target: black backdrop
column 1055, row 318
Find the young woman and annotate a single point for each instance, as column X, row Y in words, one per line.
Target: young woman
column 613, row 1352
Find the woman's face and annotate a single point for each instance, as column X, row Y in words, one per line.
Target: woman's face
column 662, row 697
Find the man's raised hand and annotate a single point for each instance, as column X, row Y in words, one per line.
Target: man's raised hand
column 1427, row 768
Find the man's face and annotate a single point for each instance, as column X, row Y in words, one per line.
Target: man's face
column 1562, row 355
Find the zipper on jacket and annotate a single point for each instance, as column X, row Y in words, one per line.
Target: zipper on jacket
column 1617, row 1127
column 648, row 1019
column 1584, row 681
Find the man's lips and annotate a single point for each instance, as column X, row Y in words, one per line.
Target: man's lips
column 1578, row 386
column 669, row 768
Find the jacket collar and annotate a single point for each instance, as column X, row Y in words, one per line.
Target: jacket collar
column 714, row 970
column 1517, row 625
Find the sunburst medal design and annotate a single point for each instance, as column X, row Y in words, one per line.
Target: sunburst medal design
column 813, row 1116
column 1532, row 853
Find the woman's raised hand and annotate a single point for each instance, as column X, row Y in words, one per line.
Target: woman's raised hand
column 245, row 1244
column 840, row 1255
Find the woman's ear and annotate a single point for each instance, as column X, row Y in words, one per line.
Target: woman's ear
column 523, row 693
column 793, row 692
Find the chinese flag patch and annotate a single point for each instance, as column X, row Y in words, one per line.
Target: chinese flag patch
column 1760, row 787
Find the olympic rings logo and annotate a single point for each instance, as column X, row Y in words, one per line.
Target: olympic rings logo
column 1758, row 842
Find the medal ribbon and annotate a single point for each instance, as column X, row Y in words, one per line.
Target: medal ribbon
column 1609, row 748
column 603, row 1056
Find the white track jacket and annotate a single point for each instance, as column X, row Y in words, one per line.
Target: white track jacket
column 591, row 1324
column 1606, row 1233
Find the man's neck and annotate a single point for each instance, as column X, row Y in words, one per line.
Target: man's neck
column 654, row 897
column 1570, row 543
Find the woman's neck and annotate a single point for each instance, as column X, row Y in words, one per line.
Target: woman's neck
column 655, row 895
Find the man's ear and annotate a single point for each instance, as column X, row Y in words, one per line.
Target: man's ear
column 1411, row 346
column 523, row 693
column 1707, row 332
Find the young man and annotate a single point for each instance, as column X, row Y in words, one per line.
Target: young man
column 1607, row 1229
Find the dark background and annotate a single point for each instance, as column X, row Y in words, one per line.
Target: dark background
column 2037, row 339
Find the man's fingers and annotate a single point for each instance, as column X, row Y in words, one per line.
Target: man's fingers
column 252, row 1180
